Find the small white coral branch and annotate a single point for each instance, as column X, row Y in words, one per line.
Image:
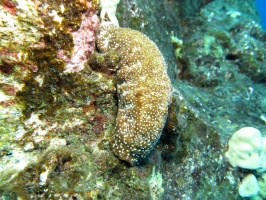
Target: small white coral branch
column 109, row 8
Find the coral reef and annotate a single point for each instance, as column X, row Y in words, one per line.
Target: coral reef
column 143, row 88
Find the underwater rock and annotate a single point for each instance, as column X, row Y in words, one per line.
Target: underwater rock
column 144, row 91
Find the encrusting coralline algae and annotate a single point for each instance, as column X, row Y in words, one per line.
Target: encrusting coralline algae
column 143, row 88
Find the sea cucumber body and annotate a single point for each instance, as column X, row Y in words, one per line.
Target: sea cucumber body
column 143, row 88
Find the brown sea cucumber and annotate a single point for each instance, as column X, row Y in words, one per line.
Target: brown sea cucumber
column 143, row 88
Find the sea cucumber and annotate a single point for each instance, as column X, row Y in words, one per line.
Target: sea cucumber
column 143, row 89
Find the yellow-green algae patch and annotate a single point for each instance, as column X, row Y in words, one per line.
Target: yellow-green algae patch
column 144, row 91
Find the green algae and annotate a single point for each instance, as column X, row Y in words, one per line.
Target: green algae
column 104, row 62
column 222, row 38
column 211, row 47
column 49, row 95
column 72, row 14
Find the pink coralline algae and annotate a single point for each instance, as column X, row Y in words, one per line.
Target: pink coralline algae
column 84, row 41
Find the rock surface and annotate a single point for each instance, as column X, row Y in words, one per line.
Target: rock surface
column 56, row 126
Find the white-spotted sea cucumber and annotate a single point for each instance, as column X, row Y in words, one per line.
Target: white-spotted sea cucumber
column 143, row 88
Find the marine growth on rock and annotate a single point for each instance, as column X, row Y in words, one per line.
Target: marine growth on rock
column 143, row 88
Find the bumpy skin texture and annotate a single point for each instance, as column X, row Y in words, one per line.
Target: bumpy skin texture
column 144, row 91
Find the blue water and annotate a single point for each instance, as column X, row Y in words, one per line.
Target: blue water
column 261, row 5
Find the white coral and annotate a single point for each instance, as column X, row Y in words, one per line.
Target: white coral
column 156, row 185
column 109, row 8
column 246, row 149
